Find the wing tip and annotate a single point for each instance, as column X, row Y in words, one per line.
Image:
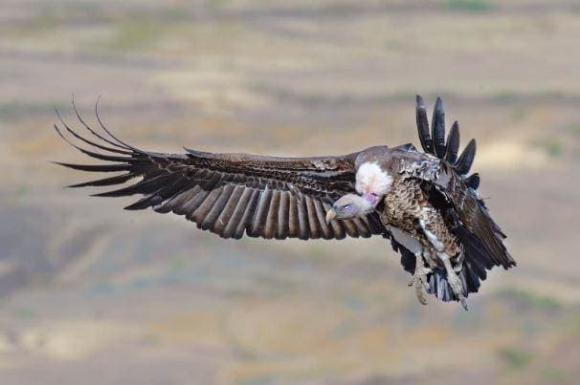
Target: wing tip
column 420, row 101
column 439, row 104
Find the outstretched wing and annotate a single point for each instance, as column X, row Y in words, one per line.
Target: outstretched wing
column 227, row 194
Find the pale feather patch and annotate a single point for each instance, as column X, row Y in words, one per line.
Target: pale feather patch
column 437, row 244
column 407, row 240
column 370, row 178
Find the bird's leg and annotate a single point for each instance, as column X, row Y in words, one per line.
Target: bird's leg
column 459, row 262
column 419, row 279
column 453, row 279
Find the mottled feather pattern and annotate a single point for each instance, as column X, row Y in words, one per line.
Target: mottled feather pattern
column 464, row 211
column 406, row 205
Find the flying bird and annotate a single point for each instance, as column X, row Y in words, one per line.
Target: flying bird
column 424, row 202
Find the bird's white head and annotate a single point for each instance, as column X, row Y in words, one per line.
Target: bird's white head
column 371, row 178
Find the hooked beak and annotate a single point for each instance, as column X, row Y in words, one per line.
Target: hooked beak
column 330, row 215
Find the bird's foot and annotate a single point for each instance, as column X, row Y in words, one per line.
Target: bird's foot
column 457, row 287
column 453, row 280
column 419, row 281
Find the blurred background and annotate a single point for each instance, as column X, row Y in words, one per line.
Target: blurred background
column 94, row 295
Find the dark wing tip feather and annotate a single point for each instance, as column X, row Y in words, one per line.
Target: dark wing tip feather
column 423, row 126
column 119, row 141
column 105, row 181
column 452, row 144
column 473, row 181
column 93, row 132
column 146, row 202
column 95, row 167
column 466, row 158
column 438, row 128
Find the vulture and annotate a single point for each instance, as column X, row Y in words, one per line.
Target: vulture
column 423, row 202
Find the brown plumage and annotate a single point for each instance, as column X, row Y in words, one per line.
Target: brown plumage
column 426, row 196
column 406, row 205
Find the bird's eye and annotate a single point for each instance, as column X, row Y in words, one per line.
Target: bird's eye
column 347, row 208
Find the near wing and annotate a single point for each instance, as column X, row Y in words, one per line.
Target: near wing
column 228, row 194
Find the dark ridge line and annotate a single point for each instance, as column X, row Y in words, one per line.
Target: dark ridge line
column 101, row 15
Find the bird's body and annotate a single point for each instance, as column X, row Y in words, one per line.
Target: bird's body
column 407, row 208
column 422, row 201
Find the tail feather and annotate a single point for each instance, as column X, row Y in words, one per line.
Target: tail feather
column 440, row 288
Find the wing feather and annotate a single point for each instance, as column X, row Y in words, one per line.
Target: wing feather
column 272, row 217
column 452, row 144
column 423, row 126
column 293, row 222
column 228, row 209
column 210, row 219
column 325, row 230
column 250, row 208
column 304, row 226
column 283, row 215
column 466, row 158
column 438, row 128
column 312, row 217
column 232, row 220
column 199, row 214
column 261, row 213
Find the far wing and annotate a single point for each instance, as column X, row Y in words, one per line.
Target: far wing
column 474, row 224
column 444, row 175
column 433, row 141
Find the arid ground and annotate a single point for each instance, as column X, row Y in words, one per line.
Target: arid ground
column 91, row 294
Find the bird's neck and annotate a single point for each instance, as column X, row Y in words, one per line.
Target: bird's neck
column 371, row 198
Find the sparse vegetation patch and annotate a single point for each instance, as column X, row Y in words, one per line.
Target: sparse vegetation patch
column 515, row 358
column 469, row 5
